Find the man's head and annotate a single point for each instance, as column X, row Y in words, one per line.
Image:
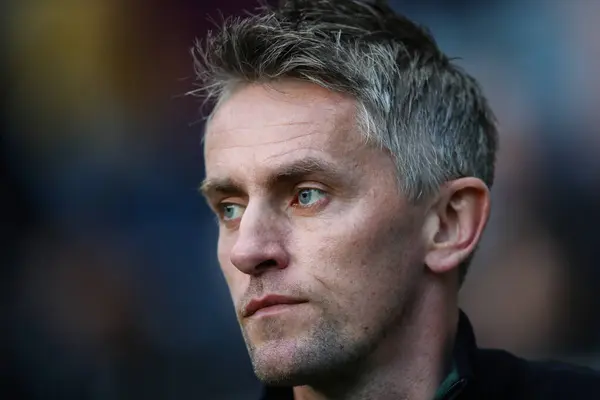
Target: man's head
column 349, row 162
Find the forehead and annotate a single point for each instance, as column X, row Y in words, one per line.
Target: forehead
column 263, row 125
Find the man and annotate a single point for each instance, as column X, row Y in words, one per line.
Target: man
column 349, row 163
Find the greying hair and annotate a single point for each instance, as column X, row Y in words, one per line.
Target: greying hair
column 412, row 100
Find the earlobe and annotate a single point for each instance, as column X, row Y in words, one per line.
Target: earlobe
column 455, row 223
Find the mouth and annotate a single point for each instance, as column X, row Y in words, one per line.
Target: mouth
column 269, row 303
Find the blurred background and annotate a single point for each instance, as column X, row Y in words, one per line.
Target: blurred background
column 110, row 284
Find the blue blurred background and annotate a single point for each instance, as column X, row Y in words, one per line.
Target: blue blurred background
column 110, row 283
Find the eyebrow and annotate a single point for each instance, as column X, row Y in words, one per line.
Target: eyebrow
column 292, row 171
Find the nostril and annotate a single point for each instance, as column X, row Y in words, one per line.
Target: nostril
column 267, row 264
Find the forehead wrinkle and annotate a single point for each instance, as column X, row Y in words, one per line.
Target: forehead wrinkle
column 289, row 123
column 268, row 125
column 270, row 142
column 311, row 153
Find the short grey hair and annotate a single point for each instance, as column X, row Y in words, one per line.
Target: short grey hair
column 412, row 99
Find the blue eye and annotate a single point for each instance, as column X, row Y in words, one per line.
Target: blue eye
column 308, row 197
column 231, row 211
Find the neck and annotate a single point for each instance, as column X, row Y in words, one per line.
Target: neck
column 410, row 361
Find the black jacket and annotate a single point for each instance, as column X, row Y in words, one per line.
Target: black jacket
column 499, row 375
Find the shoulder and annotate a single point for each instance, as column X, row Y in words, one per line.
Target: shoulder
column 564, row 381
column 501, row 372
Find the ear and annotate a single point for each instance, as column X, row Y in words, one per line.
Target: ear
column 455, row 222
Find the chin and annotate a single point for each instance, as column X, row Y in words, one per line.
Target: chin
column 280, row 362
column 292, row 359
column 288, row 364
column 278, row 375
column 279, row 379
column 276, row 361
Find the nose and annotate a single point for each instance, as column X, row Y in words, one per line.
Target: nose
column 260, row 243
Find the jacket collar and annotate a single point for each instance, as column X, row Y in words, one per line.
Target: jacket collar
column 465, row 346
column 462, row 354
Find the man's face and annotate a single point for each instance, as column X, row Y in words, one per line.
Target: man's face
column 309, row 214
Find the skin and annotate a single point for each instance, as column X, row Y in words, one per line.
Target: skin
column 307, row 209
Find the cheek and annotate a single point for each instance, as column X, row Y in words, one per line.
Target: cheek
column 236, row 280
column 365, row 266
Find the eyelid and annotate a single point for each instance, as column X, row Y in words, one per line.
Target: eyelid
column 224, row 200
column 312, row 185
